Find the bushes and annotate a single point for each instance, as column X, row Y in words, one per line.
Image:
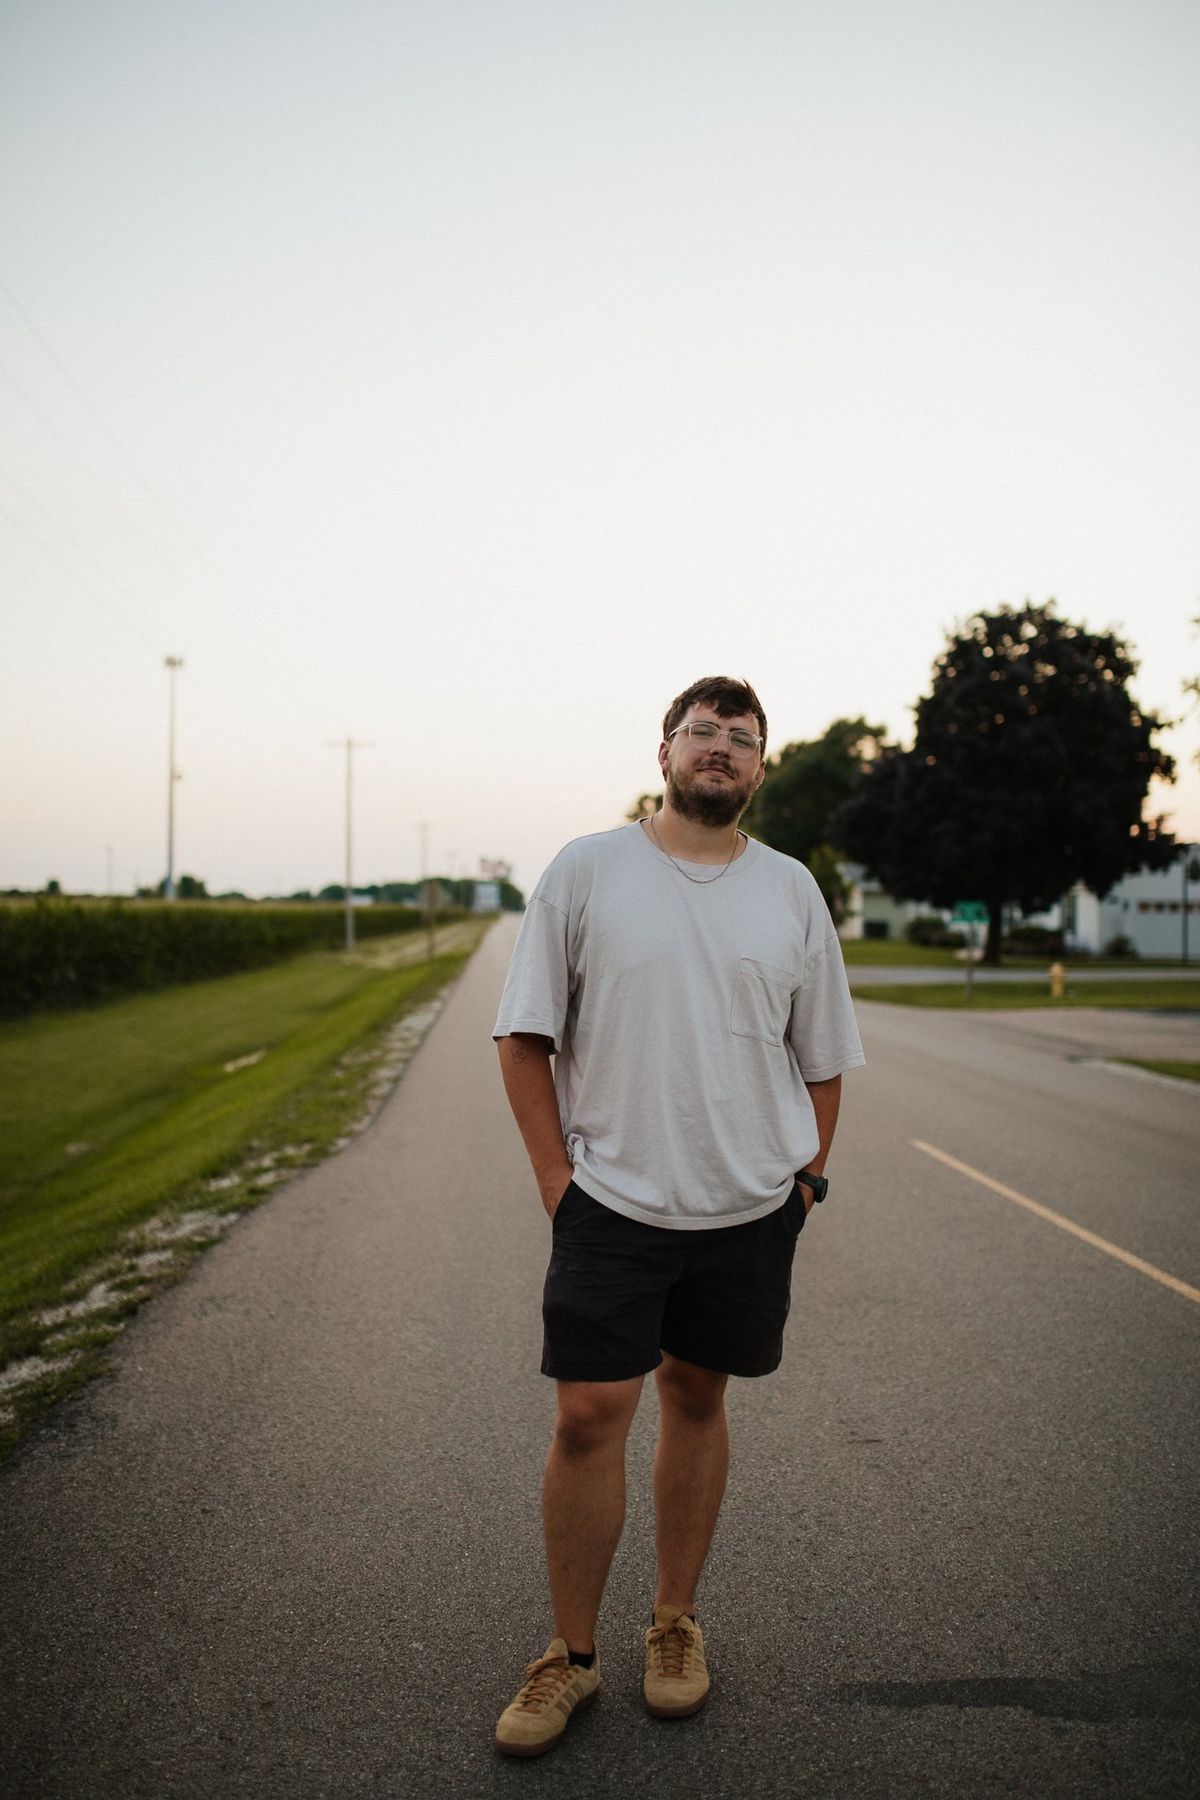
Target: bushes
column 64, row 953
column 1033, row 940
column 1022, row 939
column 933, row 933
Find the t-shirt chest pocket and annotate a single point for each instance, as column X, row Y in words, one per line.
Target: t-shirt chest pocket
column 762, row 1001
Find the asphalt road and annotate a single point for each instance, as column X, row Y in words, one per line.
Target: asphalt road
column 292, row 1549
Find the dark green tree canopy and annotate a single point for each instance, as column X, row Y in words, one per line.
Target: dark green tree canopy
column 806, row 783
column 188, row 887
column 804, row 786
column 1029, row 772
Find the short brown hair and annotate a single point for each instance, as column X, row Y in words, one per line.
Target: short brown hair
column 727, row 698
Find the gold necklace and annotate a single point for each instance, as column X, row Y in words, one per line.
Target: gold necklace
column 700, row 880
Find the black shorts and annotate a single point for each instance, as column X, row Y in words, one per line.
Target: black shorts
column 618, row 1293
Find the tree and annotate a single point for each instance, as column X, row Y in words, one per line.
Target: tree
column 1028, row 773
column 804, row 787
column 188, row 887
column 643, row 807
column 825, row 867
column 806, row 783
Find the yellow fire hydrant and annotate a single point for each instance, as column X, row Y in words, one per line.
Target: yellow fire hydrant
column 1058, row 981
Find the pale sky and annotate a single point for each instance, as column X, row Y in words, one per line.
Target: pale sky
column 469, row 378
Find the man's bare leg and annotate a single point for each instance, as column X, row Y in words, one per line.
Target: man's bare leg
column 690, row 1467
column 583, row 1499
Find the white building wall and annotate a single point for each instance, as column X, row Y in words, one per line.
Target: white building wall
column 870, row 912
column 1147, row 908
column 1084, row 926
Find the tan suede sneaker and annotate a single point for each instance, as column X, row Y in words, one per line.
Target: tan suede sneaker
column 676, row 1681
column 553, row 1687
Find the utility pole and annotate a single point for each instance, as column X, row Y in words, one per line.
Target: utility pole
column 171, row 664
column 349, row 746
column 427, row 890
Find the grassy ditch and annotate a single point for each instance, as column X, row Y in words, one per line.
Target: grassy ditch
column 1179, row 1071
column 1146, row 996
column 132, row 1135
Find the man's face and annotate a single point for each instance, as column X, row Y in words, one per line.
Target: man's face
column 711, row 783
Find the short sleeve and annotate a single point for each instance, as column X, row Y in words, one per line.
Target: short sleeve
column 538, row 987
column 822, row 1030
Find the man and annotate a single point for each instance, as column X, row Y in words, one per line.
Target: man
column 689, row 984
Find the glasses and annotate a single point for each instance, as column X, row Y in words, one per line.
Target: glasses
column 703, row 731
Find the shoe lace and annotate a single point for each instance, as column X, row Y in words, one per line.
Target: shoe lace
column 543, row 1679
column 671, row 1646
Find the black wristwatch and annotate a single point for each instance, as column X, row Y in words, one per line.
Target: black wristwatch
column 818, row 1183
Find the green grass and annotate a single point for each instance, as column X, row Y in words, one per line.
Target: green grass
column 1149, row 996
column 114, row 1116
column 893, row 953
column 1121, row 965
column 896, row 953
column 1181, row 1071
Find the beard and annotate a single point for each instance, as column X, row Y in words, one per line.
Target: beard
column 695, row 799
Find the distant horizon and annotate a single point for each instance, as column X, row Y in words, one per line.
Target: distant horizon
column 323, row 895
column 149, row 891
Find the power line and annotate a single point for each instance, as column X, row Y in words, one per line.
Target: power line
column 179, row 577
column 81, row 462
column 165, row 555
column 98, row 418
column 57, row 525
column 74, row 576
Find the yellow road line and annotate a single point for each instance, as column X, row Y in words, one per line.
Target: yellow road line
column 1053, row 1218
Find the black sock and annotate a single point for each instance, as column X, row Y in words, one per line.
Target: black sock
column 582, row 1661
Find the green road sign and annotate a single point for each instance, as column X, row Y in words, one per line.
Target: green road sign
column 970, row 912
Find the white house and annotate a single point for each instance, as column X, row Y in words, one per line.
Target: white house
column 1156, row 910
column 871, row 912
column 1146, row 908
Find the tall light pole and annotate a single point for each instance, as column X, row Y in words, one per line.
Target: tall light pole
column 427, row 886
column 349, row 746
column 171, row 664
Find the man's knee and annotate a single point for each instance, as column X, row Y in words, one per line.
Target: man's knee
column 698, row 1394
column 593, row 1415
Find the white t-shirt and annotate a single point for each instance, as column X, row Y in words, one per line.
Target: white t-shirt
column 686, row 1018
